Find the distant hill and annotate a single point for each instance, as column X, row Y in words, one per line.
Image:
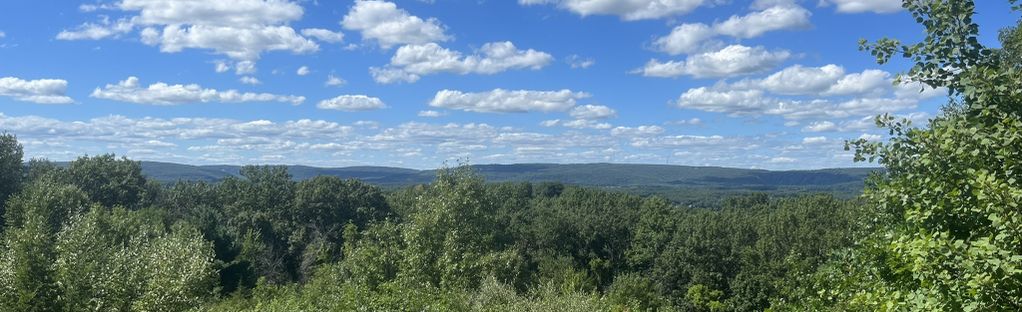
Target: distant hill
column 646, row 179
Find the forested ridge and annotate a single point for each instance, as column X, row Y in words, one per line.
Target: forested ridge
column 937, row 230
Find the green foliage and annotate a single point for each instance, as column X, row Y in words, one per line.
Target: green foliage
column 95, row 236
column 943, row 225
column 111, row 182
column 127, row 261
column 11, row 170
column 448, row 232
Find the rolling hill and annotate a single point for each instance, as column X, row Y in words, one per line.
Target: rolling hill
column 678, row 183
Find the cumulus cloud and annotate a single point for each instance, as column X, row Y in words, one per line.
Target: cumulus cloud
column 733, row 60
column 42, row 91
column 416, row 144
column 507, row 101
column 239, row 29
column 757, row 23
column 302, row 71
column 860, row 6
column 629, row 10
column 411, row 62
column 334, row 81
column 431, row 113
column 733, row 102
column 820, row 126
column 324, row 35
column 637, row 131
column 93, row 31
column 576, row 124
column 800, row 92
column 814, row 140
column 249, row 80
column 352, row 103
column 387, row 25
column 129, row 90
column 591, row 112
column 695, row 37
column 576, row 61
column 684, row 39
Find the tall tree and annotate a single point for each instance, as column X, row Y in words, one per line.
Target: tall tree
column 946, row 215
column 11, row 169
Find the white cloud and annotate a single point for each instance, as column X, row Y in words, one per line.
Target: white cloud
column 756, row 23
column 697, row 37
column 302, row 71
column 161, row 93
column 592, row 112
column 506, row 101
column 691, row 122
column 576, row 61
column 324, row 35
column 576, row 124
column 431, row 113
column 859, row 6
column 798, row 80
column 352, row 103
column 733, row 102
column 627, row 9
column 782, row 160
column 870, row 81
column 239, row 29
column 823, row 92
column 249, row 80
column 244, row 67
column 637, row 131
column 814, row 140
column 91, row 31
column 733, row 60
column 685, row 38
column 820, row 126
column 222, row 67
column 389, row 26
column 2, row 34
column 334, row 81
column 236, row 43
column 410, row 62
column 42, row 91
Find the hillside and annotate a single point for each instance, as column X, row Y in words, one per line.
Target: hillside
column 679, row 183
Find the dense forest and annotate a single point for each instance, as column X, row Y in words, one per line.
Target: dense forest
column 937, row 230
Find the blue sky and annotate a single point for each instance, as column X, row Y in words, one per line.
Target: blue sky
column 776, row 84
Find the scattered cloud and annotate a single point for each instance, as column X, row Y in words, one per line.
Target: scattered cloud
column 239, row 29
column 302, row 71
column 860, row 6
column 42, row 91
column 507, row 101
column 324, row 35
column 92, row 31
column 129, row 90
column 800, row 92
column 411, row 62
column 629, row 10
column 757, row 23
column 579, row 62
column 249, row 80
column 352, row 103
column 431, row 113
column 592, row 112
column 697, row 37
column 334, row 81
column 387, row 25
column 733, row 60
